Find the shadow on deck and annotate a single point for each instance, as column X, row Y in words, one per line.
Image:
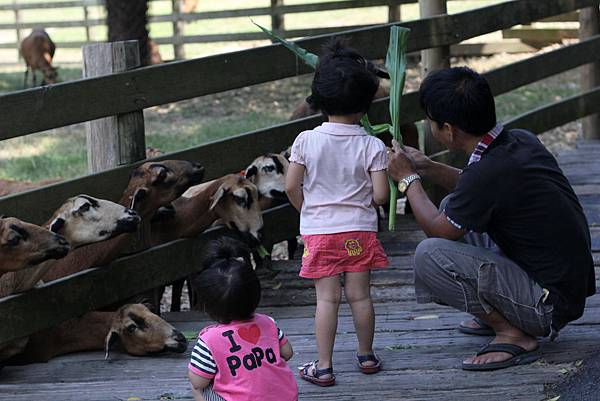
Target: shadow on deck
column 419, row 344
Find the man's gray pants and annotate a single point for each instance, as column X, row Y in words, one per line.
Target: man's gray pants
column 475, row 277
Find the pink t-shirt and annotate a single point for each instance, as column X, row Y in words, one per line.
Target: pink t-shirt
column 338, row 191
column 243, row 360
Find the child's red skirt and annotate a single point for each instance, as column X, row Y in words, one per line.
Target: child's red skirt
column 327, row 255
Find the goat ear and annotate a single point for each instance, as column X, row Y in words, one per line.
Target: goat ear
column 159, row 175
column 251, row 171
column 221, row 192
column 57, row 224
column 138, row 195
column 111, row 339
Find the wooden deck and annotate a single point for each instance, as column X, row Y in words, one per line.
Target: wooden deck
column 419, row 344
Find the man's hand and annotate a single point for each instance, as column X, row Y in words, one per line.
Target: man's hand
column 401, row 164
column 422, row 162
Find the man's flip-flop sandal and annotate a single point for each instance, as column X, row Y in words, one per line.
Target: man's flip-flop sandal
column 483, row 329
column 520, row 356
column 311, row 373
column 376, row 367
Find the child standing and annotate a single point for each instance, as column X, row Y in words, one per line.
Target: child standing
column 242, row 357
column 337, row 176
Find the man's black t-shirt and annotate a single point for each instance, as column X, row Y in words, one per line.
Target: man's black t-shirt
column 519, row 196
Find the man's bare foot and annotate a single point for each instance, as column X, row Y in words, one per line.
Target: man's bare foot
column 524, row 341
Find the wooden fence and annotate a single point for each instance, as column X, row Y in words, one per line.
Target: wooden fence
column 39, row 109
column 277, row 10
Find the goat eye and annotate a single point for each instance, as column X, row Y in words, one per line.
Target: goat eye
column 239, row 200
column 13, row 241
column 131, row 328
column 84, row 208
column 268, row 169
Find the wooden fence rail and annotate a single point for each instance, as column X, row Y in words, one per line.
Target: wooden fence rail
column 98, row 97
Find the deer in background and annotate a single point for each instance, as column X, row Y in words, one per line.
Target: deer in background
column 37, row 50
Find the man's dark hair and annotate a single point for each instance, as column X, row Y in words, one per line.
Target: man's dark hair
column 345, row 82
column 227, row 287
column 461, row 97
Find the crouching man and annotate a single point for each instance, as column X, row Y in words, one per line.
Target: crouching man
column 510, row 245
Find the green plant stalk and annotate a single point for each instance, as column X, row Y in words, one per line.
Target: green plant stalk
column 312, row 60
column 395, row 63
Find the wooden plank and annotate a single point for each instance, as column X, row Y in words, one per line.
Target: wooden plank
column 540, row 35
column 490, row 49
column 171, row 82
column 125, row 277
column 556, row 114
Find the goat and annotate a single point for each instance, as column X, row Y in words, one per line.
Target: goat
column 37, row 50
column 23, row 244
column 155, row 58
column 268, row 172
column 81, row 220
column 232, row 199
column 140, row 332
column 151, row 186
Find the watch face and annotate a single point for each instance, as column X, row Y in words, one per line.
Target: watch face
column 402, row 186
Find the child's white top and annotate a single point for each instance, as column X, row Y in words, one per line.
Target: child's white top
column 338, row 191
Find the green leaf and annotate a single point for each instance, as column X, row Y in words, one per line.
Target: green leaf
column 307, row 57
column 395, row 63
column 190, row 335
column 262, row 252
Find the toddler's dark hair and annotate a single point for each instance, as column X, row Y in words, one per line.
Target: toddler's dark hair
column 345, row 82
column 227, row 287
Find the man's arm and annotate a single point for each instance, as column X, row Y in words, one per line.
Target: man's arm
column 438, row 173
column 431, row 220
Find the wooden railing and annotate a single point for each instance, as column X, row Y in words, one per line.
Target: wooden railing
column 58, row 105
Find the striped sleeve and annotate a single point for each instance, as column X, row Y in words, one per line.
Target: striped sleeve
column 202, row 362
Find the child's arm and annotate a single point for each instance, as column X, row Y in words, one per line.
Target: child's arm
column 199, row 383
column 286, row 351
column 381, row 188
column 293, row 185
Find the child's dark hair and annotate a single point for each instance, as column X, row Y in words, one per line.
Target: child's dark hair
column 227, row 286
column 344, row 82
column 461, row 97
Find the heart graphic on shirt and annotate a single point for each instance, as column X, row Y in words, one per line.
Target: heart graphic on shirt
column 250, row 333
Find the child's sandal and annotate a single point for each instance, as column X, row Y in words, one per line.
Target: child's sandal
column 368, row 369
column 312, row 374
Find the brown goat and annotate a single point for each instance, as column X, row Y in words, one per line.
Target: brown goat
column 189, row 6
column 37, row 50
column 140, row 332
column 232, row 199
column 151, row 186
column 24, row 244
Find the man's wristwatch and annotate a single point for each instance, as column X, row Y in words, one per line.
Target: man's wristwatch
column 406, row 181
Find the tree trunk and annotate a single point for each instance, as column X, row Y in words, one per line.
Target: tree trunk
column 127, row 20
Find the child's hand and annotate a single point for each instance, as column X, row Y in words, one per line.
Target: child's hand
column 286, row 351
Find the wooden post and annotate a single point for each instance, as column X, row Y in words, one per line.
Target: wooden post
column 589, row 25
column 17, row 29
column 178, row 27
column 115, row 140
column 277, row 17
column 431, row 60
column 394, row 12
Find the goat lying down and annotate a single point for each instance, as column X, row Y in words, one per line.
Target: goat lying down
column 138, row 331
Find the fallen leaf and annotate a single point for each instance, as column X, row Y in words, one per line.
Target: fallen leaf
column 563, row 371
column 398, row 347
column 134, row 399
column 277, row 286
column 554, row 399
column 579, row 363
